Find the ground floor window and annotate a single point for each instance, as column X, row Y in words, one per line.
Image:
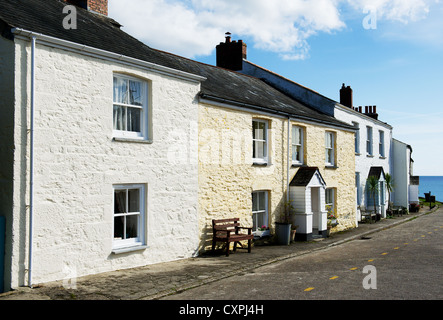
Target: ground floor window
column 330, row 200
column 129, row 215
column 259, row 209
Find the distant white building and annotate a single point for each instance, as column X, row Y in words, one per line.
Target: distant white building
column 405, row 183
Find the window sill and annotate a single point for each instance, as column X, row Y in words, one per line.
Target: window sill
column 369, row 156
column 329, row 166
column 119, row 139
column 260, row 164
column 297, row 165
column 382, row 157
column 129, row 249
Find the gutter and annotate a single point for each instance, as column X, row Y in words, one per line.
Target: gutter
column 222, row 102
column 53, row 42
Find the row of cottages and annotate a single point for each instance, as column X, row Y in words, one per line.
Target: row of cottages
column 115, row 155
column 377, row 153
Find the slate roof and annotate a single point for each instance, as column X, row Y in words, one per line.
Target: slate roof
column 101, row 32
column 304, row 176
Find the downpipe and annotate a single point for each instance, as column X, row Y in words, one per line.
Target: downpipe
column 31, row 183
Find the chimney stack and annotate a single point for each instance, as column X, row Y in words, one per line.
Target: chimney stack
column 371, row 111
column 346, row 96
column 230, row 54
column 97, row 6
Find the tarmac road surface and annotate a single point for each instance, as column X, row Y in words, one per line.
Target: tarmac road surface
column 404, row 262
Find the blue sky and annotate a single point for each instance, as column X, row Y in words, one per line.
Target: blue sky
column 389, row 51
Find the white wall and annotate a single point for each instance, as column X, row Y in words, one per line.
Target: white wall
column 77, row 163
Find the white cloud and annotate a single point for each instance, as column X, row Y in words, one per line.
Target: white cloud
column 194, row 27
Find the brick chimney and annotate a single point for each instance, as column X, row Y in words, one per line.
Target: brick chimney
column 346, row 96
column 97, row 6
column 371, row 111
column 230, row 54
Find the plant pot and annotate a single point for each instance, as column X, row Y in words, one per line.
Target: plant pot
column 283, row 233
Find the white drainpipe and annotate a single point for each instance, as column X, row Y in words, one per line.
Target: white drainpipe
column 31, row 187
column 288, row 164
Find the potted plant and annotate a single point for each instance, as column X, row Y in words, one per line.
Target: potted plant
column 283, row 225
column 262, row 231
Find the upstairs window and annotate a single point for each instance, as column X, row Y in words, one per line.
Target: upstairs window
column 330, row 148
column 130, row 107
column 260, row 141
column 369, row 141
column 381, row 144
column 297, row 145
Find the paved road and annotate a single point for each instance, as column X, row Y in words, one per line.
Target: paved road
column 404, row 262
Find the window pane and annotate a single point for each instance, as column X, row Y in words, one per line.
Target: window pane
column 120, row 90
column 119, row 228
column 261, row 201
column 119, row 201
column 134, row 200
column 132, row 226
column 259, row 150
column 134, row 116
column 135, row 93
column 119, row 118
column 296, row 135
column 259, row 131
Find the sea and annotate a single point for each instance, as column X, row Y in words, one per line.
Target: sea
column 434, row 184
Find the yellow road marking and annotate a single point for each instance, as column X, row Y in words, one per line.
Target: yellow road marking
column 370, row 260
column 384, row 253
column 405, row 243
column 333, row 278
column 309, row 289
column 355, row 268
column 396, row 248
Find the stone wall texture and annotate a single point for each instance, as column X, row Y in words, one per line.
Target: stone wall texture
column 227, row 176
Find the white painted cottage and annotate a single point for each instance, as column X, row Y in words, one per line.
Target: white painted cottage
column 92, row 126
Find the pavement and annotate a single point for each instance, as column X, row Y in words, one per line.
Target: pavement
column 156, row 281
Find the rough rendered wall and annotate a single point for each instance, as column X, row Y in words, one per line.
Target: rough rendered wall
column 77, row 163
column 227, row 180
column 227, row 177
column 341, row 178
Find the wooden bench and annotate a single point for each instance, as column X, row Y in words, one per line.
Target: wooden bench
column 227, row 231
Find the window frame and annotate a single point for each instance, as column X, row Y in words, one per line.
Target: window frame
column 301, row 145
column 369, row 141
column 381, row 143
column 265, row 141
column 140, row 240
column 265, row 210
column 144, row 109
column 357, row 137
column 330, row 150
column 332, row 195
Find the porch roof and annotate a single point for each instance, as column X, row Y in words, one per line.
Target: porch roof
column 377, row 172
column 304, row 176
